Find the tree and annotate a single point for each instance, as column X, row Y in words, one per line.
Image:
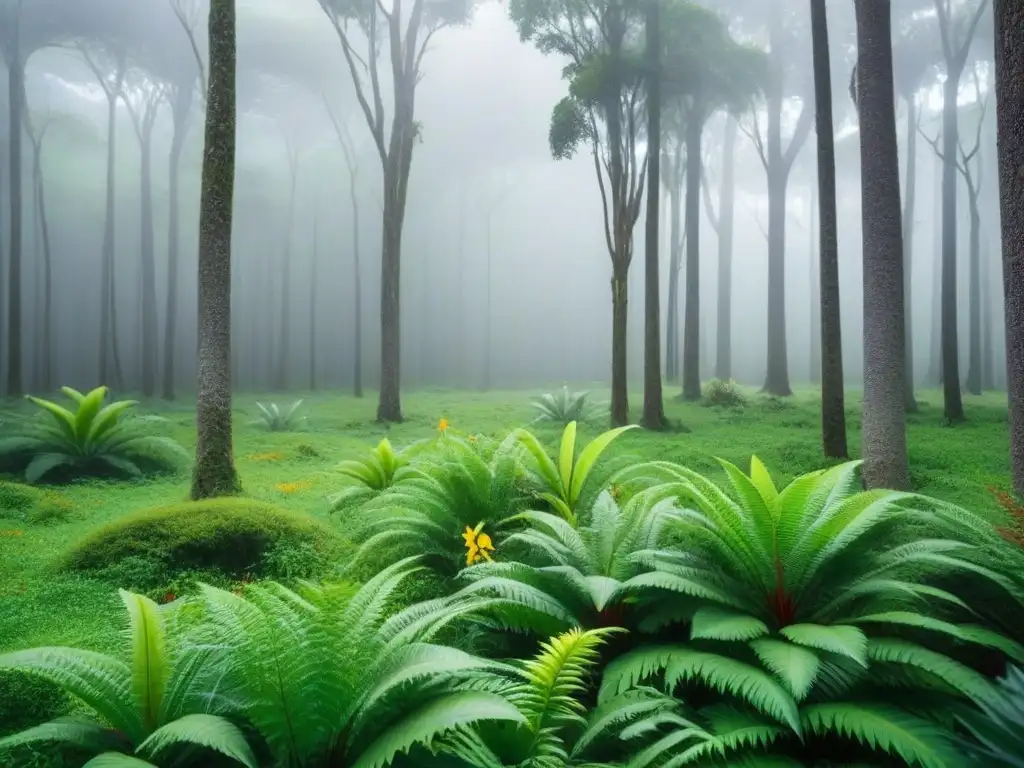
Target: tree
column 1009, row 89
column 281, row 364
column 214, row 473
column 15, row 57
column 957, row 33
column 884, row 417
column 654, row 406
column 406, row 49
column 833, row 406
column 604, row 111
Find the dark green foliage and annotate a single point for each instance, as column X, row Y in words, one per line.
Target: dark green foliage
column 34, row 506
column 724, row 394
column 564, row 407
column 998, row 729
column 91, row 441
column 27, row 700
column 235, row 537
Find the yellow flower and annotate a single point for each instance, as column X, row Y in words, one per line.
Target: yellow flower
column 443, row 425
column 275, row 456
column 291, row 487
column 472, row 438
column 477, row 544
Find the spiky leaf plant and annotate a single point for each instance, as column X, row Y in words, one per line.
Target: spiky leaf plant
column 91, row 440
column 152, row 706
column 561, row 576
column 326, row 678
column 445, row 496
column 555, row 732
column 277, row 419
column 817, row 606
column 367, row 477
column 998, row 736
column 564, row 407
column 562, row 483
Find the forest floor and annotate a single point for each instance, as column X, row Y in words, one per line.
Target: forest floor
column 40, row 606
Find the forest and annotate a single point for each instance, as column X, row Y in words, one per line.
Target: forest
column 540, row 384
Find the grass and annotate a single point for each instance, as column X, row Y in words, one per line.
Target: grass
column 40, row 606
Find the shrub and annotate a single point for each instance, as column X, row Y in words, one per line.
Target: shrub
column 724, row 394
column 564, row 407
column 233, row 536
column 91, row 441
column 278, row 419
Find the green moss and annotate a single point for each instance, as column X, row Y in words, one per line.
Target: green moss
column 235, row 537
column 34, row 506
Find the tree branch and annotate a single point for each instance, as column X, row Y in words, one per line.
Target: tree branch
column 188, row 25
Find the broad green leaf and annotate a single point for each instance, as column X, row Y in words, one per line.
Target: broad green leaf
column 210, row 731
column 87, row 410
column 65, row 419
column 796, row 666
column 721, row 624
column 762, row 480
column 150, row 664
column 566, row 454
column 107, row 418
column 118, row 760
column 44, row 463
column 844, row 640
column 588, row 458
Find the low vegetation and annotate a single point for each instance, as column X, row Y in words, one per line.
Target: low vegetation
column 278, row 419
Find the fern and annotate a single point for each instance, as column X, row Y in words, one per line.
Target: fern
column 565, row 407
column 277, row 419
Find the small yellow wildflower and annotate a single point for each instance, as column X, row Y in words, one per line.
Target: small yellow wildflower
column 478, row 544
column 442, row 425
column 472, row 438
column 274, row 456
column 291, row 487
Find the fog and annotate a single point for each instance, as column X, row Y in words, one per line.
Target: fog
column 505, row 269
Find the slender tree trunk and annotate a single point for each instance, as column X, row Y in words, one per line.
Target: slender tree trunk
column 181, row 106
column 1009, row 67
column 284, row 350
column 909, row 200
column 654, row 407
column 486, row 383
column 953, row 402
column 884, row 416
column 389, row 408
column 691, row 320
column 620, row 306
column 833, row 404
column 357, row 304
column 726, row 219
column 149, row 317
column 16, row 107
column 973, row 382
column 312, row 301
column 988, row 367
column 814, row 268
column 214, row 472
column 935, row 354
column 46, row 370
column 675, row 255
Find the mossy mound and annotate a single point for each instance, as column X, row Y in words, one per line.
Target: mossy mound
column 235, row 538
column 23, row 502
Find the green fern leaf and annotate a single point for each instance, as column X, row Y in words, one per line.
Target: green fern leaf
column 844, row 640
column 795, row 665
column 210, row 731
column 720, row 624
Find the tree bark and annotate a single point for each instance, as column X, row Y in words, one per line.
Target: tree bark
column 691, row 309
column 214, row 472
column 110, row 371
column 935, row 351
column 357, row 285
column 46, row 369
column 312, row 301
column 1009, row 69
column 833, row 399
column 620, row 305
column 675, row 256
column 726, row 218
column 909, row 200
column 884, row 437
column 148, row 259
column 953, row 402
column 283, row 360
column 389, row 407
column 16, row 107
column 814, row 267
column 973, row 383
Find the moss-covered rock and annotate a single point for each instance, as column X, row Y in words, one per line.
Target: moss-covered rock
column 237, row 538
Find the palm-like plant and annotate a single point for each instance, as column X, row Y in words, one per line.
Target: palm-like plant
column 562, row 484
column 371, row 475
column 815, row 605
column 92, row 439
column 998, row 739
column 439, row 501
column 326, row 678
column 580, row 577
column 564, row 407
column 277, row 419
column 152, row 706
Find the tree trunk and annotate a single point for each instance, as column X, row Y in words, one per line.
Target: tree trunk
column 620, row 304
column 814, row 269
column 389, row 407
column 909, row 199
column 833, row 405
column 110, row 370
column 1009, row 68
column 675, row 255
column 935, row 352
column 148, row 248
column 953, row 403
column 726, row 218
column 46, row 369
column 312, row 302
column 691, row 309
column 284, row 350
column 357, row 304
column 214, row 472
column 654, row 407
column 180, row 107
column 884, row 438
column 974, row 385
column 988, row 366
column 16, row 107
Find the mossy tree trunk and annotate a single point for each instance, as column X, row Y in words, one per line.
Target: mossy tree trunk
column 214, row 472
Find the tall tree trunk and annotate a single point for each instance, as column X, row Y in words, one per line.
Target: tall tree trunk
column 974, row 385
column 833, row 405
column 814, row 279
column 691, row 309
column 389, row 407
column 953, row 402
column 284, row 350
column 148, row 257
column 214, row 472
column 935, row 352
column 16, row 107
column 654, row 407
column 884, row 433
column 485, row 384
column 620, row 307
column 312, row 301
column 1009, row 55
column 180, row 106
column 988, row 366
column 675, row 256
column 357, row 304
column 726, row 219
column 110, row 370
column 909, row 199
column 46, row 353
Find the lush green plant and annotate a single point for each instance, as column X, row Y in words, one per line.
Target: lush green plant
column 443, row 507
column 564, row 407
column 587, row 577
column 369, row 476
column 277, row 419
column 326, row 679
column 817, row 606
column 92, row 440
column 155, row 704
column 998, row 736
column 725, row 394
column 35, row 506
column 563, row 483
column 233, row 536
